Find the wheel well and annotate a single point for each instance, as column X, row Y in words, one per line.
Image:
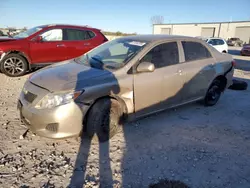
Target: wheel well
column 223, row 82
column 124, row 107
column 224, row 51
column 21, row 54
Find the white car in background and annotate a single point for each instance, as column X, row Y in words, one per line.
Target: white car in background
column 218, row 43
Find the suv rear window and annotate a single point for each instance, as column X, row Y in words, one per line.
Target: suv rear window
column 215, row 42
column 74, row 34
column 195, row 51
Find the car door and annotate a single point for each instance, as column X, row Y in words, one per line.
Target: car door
column 223, row 45
column 197, row 70
column 219, row 45
column 50, row 49
column 153, row 89
column 214, row 43
column 78, row 41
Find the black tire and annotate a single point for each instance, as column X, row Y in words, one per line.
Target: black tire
column 213, row 94
column 104, row 119
column 238, row 85
column 14, row 65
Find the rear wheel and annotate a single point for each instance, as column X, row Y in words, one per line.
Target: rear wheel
column 213, row 93
column 14, row 65
column 104, row 119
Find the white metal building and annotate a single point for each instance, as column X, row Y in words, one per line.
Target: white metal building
column 240, row 29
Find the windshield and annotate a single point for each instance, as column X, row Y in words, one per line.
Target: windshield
column 112, row 55
column 28, row 33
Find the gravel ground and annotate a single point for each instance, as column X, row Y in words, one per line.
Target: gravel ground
column 199, row 146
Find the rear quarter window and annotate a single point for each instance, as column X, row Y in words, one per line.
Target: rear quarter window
column 91, row 34
column 195, row 51
column 76, row 34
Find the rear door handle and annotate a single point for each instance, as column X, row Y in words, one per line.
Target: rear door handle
column 86, row 44
column 60, row 45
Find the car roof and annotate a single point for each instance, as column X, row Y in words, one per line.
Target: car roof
column 156, row 37
column 66, row 25
column 215, row 38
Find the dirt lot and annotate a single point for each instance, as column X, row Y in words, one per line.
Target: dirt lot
column 200, row 146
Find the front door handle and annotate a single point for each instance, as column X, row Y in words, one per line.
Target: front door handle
column 179, row 72
column 60, row 45
column 86, row 44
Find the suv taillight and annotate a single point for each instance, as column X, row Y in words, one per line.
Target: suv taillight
column 104, row 37
column 233, row 63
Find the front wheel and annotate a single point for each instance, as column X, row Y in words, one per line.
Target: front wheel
column 14, row 65
column 213, row 94
column 104, row 118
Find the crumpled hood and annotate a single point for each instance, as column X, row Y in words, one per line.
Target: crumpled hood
column 65, row 76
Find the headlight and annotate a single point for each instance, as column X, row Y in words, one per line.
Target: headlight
column 52, row 100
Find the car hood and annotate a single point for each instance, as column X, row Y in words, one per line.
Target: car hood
column 246, row 47
column 66, row 76
column 6, row 39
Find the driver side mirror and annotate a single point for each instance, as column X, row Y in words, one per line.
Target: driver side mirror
column 146, row 67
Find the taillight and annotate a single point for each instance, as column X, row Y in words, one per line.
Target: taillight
column 104, row 37
column 233, row 63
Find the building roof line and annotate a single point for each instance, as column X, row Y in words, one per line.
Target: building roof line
column 204, row 23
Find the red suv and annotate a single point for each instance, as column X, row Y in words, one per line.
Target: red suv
column 44, row 45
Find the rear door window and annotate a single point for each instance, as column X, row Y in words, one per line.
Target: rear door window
column 75, row 34
column 163, row 55
column 195, row 51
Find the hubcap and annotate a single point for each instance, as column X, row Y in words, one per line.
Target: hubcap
column 13, row 65
column 214, row 92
